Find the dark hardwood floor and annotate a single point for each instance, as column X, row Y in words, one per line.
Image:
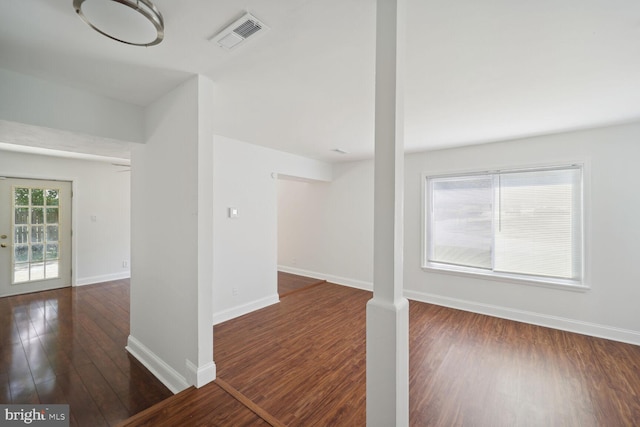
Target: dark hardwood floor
column 67, row 346
column 302, row 363
column 289, row 283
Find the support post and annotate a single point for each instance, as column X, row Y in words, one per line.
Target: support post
column 388, row 311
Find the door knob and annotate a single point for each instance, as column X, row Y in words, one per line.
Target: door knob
column 3, row 245
column 4, row 236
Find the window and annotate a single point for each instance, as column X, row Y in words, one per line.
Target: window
column 35, row 231
column 522, row 224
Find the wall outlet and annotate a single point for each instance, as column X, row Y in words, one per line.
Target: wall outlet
column 125, row 264
column 234, row 292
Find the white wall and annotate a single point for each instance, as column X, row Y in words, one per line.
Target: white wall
column 99, row 247
column 325, row 230
column 170, row 299
column 245, row 248
column 608, row 309
column 32, row 101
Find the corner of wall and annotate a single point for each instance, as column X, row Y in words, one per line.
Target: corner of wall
column 240, row 310
column 200, row 376
column 158, row 367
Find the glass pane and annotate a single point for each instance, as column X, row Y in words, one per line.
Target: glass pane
column 37, row 216
column 52, row 198
column 52, row 251
column 37, row 271
column 461, row 223
column 37, row 234
column 21, row 273
column 37, row 253
column 21, row 253
column 52, row 215
column 52, row 233
column 21, row 234
column 537, row 217
column 22, row 216
column 51, row 269
column 37, row 197
column 22, row 197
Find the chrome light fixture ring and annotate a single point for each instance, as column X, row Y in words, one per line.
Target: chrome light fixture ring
column 145, row 7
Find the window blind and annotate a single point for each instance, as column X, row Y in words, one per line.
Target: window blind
column 525, row 222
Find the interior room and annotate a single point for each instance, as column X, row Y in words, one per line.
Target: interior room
column 228, row 144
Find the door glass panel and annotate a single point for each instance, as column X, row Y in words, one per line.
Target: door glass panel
column 52, row 215
column 21, row 273
column 21, row 197
column 52, row 197
column 37, row 197
column 36, row 233
column 21, row 253
column 22, row 216
column 52, row 251
column 51, row 268
column 21, row 234
column 37, row 271
column 37, row 252
column 52, row 233
column 37, row 216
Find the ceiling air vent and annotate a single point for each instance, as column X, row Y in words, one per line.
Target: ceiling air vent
column 239, row 31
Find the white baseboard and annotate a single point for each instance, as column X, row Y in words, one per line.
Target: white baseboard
column 570, row 325
column 158, row 367
column 565, row 324
column 82, row 281
column 352, row 283
column 243, row 309
column 201, row 376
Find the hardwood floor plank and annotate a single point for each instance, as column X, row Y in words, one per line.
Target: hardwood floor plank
column 207, row 406
column 288, row 283
column 300, row 369
column 465, row 368
column 5, row 389
column 302, row 361
column 103, row 395
column 67, row 346
column 82, row 406
column 249, row 404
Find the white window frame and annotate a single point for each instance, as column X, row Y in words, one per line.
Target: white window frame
column 566, row 284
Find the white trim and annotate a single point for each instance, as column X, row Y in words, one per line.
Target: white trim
column 158, row 367
column 352, row 283
column 555, row 322
column 19, row 291
column 200, row 376
column 102, row 278
column 74, row 232
column 545, row 282
column 243, row 309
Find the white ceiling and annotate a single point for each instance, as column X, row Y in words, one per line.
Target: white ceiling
column 476, row 71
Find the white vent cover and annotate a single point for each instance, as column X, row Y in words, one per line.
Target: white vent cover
column 239, row 31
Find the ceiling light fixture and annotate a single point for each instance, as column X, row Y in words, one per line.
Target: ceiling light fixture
column 139, row 23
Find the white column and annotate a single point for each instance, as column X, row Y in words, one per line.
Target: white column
column 388, row 311
column 172, row 238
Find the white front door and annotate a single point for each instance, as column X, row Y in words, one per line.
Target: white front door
column 35, row 235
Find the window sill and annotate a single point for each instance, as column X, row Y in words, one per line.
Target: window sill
column 546, row 282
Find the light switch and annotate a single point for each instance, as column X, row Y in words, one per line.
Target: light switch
column 233, row 212
column 94, row 218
